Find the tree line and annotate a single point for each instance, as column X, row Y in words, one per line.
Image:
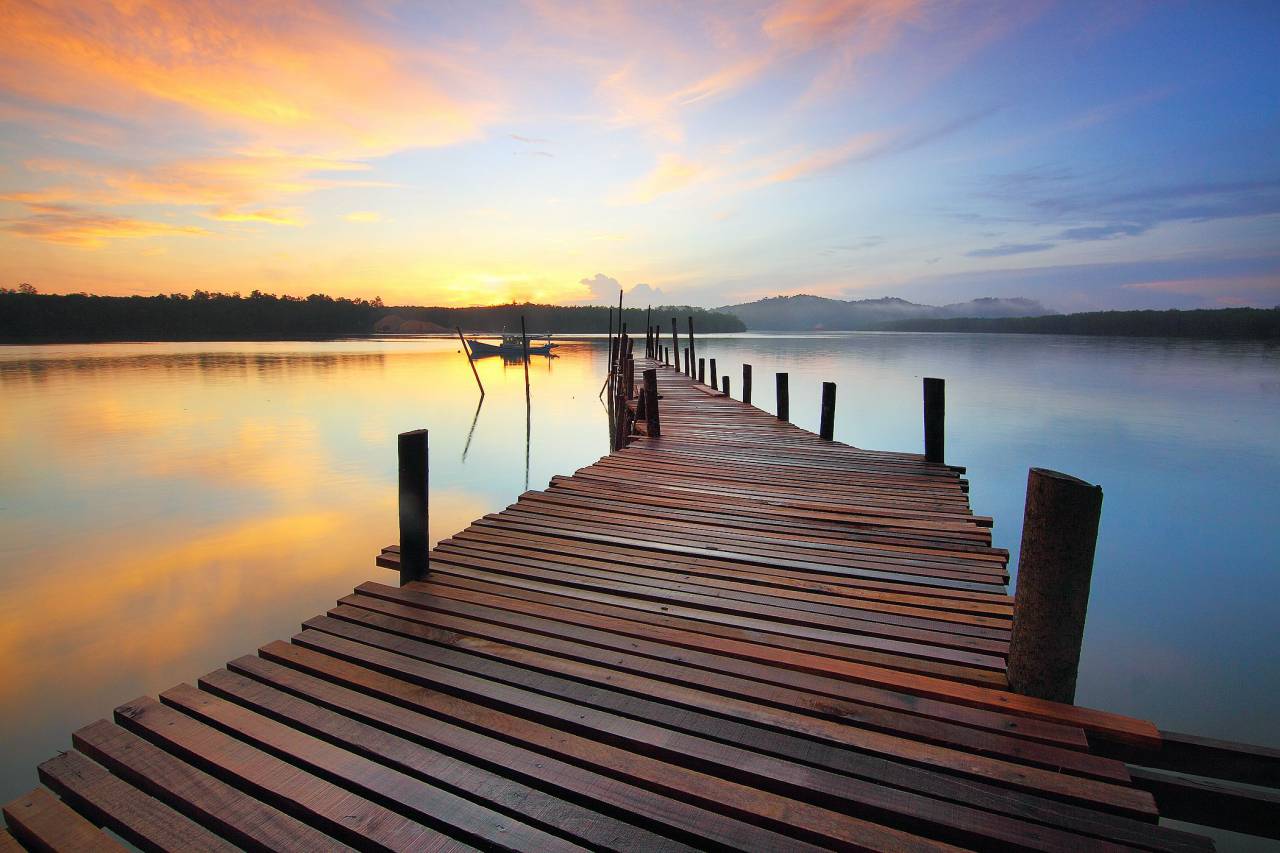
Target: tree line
column 1258, row 323
column 29, row 316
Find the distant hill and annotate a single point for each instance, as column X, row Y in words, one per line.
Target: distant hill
column 818, row 313
column 1253, row 323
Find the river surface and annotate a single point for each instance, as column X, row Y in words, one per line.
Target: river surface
column 166, row 507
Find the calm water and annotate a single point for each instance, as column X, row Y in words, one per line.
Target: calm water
column 167, row 507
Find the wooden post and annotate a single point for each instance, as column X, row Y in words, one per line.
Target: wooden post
column 648, row 331
column 686, row 362
column 1055, row 565
column 935, row 416
column 714, row 382
column 702, row 371
column 693, row 353
column 467, row 350
column 415, row 539
column 653, row 426
column 675, row 342
column 746, row 384
column 666, row 356
column 827, row 420
column 784, row 399
column 725, row 380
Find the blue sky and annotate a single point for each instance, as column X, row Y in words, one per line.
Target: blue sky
column 1108, row 155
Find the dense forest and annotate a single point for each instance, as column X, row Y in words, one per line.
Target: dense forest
column 1261, row 323
column 28, row 316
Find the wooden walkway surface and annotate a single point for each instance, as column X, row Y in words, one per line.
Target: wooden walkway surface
column 734, row 636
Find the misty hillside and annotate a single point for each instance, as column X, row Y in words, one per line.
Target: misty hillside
column 810, row 313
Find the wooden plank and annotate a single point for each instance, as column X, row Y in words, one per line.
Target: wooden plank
column 340, row 813
column 227, row 811
column 391, row 705
column 427, row 803
column 110, row 801
column 799, row 820
column 497, row 791
column 40, row 821
column 8, row 844
column 1208, row 802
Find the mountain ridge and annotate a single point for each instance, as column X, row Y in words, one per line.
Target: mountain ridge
column 805, row 312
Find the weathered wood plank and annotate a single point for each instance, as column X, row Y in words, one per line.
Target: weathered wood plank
column 40, row 821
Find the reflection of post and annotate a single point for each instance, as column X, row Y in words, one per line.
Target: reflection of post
column 472, row 431
column 528, row 403
column 415, row 541
column 524, row 345
column 467, row 350
column 1055, row 567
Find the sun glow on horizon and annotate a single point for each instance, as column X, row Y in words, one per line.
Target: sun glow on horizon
column 714, row 152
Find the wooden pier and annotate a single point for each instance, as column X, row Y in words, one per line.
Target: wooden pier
column 737, row 635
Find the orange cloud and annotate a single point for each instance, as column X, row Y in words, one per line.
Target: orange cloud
column 272, row 217
column 301, row 75
column 672, row 173
column 827, row 158
column 73, row 226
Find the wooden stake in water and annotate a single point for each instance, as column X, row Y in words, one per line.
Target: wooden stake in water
column 827, row 419
column 784, row 398
column 415, row 540
column 1055, row 567
column 746, row 384
column 467, row 350
column 935, row 416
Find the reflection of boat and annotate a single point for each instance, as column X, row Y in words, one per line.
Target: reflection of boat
column 511, row 347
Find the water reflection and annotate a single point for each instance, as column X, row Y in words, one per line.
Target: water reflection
column 167, row 507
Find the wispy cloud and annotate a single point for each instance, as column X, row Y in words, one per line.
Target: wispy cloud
column 365, row 216
column 306, row 75
column 671, row 173
column 72, row 226
column 1010, row 249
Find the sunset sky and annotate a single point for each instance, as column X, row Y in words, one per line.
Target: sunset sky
column 1088, row 155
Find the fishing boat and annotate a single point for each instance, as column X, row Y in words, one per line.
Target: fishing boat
column 512, row 346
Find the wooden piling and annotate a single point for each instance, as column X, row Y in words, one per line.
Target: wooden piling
column 935, row 415
column 415, row 539
column 714, row 382
column 686, row 362
column 693, row 353
column 725, row 381
column 784, row 398
column 702, row 371
column 675, row 341
column 827, row 419
column 746, row 384
column 653, row 425
column 1059, row 534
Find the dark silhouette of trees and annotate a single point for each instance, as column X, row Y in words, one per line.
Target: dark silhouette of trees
column 26, row 315
column 1261, row 323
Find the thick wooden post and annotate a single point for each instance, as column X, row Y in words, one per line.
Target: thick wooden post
column 686, row 362
column 653, row 425
column 784, row 398
column 725, row 382
column 675, row 342
column 746, row 384
column 693, row 353
column 935, row 417
column 827, row 420
column 1055, row 565
column 702, row 371
column 714, row 382
column 415, row 540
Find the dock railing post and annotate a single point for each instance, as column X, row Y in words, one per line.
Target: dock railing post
column 784, row 398
column 653, row 425
column 693, row 353
column 746, row 384
column 702, row 371
column 415, row 541
column 827, row 420
column 935, row 416
column 1055, row 566
column 725, row 382
column 714, row 382
column 686, row 362
column 675, row 342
